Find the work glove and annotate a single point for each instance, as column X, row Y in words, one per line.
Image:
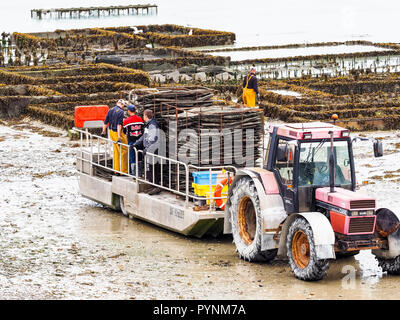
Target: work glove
column 119, row 140
column 103, row 134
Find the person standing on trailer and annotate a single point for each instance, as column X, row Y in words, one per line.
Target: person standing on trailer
column 150, row 142
column 250, row 88
column 133, row 128
column 114, row 121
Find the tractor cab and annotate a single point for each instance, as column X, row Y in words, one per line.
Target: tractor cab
column 307, row 156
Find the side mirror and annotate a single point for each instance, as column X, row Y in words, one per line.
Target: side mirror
column 378, row 148
column 282, row 153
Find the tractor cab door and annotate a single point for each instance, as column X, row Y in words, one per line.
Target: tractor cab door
column 285, row 172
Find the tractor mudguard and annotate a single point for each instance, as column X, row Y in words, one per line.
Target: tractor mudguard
column 324, row 237
column 271, row 205
column 388, row 227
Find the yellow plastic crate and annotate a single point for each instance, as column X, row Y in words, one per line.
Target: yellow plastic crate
column 201, row 190
column 204, row 190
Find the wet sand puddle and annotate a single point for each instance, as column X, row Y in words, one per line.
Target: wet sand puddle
column 54, row 244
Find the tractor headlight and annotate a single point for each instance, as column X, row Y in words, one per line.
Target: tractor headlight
column 362, row 213
column 345, row 133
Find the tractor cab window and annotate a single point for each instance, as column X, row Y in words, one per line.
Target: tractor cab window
column 285, row 161
column 314, row 163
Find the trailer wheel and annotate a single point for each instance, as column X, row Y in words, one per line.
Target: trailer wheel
column 391, row 266
column 301, row 252
column 122, row 206
column 246, row 222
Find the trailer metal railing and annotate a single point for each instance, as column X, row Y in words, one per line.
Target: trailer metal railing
column 104, row 147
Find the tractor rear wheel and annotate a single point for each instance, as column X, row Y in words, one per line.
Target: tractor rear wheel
column 302, row 254
column 246, row 222
column 391, row 266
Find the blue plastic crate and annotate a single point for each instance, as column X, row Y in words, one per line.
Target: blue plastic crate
column 203, row 178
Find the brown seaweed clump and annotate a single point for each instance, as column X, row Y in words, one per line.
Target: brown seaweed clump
column 12, row 107
column 362, row 102
column 50, row 94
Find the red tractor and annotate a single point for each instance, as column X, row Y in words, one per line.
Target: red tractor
column 304, row 205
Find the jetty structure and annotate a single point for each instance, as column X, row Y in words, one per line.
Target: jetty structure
column 60, row 13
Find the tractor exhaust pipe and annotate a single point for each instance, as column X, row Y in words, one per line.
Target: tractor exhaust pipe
column 331, row 166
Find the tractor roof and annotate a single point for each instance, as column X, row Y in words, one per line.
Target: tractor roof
column 309, row 130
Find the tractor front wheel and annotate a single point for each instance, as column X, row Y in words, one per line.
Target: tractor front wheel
column 302, row 254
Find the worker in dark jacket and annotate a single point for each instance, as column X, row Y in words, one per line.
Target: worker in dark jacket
column 133, row 128
column 250, row 88
column 149, row 142
column 114, row 121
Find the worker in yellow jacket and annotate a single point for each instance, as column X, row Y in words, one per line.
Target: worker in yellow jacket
column 250, row 88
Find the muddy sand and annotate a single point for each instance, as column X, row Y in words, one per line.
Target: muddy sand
column 54, row 244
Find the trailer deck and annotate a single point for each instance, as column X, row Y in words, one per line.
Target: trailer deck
column 172, row 209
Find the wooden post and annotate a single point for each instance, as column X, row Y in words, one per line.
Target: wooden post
column 112, row 10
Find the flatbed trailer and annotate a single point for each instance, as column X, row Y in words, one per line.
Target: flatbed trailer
column 172, row 209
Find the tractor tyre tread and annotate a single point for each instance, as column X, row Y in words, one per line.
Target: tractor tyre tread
column 252, row 252
column 316, row 269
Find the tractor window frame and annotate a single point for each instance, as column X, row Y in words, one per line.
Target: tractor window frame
column 277, row 174
column 285, row 167
column 351, row 158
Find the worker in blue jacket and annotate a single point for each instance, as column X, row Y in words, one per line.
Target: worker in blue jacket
column 149, row 142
